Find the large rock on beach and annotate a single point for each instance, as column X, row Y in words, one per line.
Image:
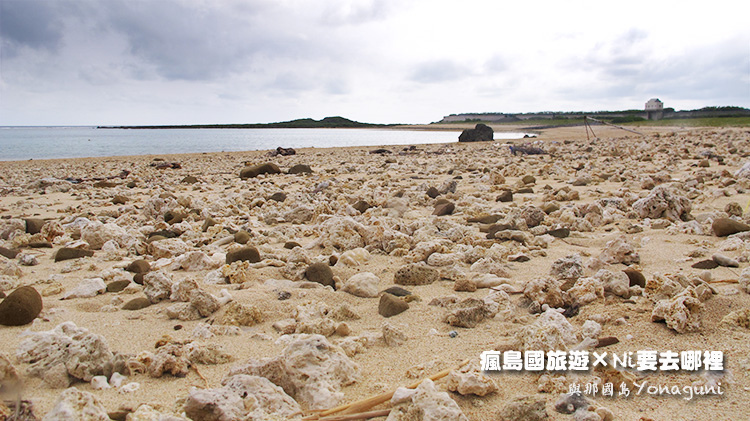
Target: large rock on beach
column 20, row 307
column 480, row 133
column 723, row 227
column 247, row 253
column 67, row 253
column 253, row 171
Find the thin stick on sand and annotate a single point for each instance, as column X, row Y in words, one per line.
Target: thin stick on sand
column 365, row 404
column 359, row 416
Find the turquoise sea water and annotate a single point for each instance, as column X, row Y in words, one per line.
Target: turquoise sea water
column 22, row 143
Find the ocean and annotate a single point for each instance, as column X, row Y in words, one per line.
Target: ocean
column 23, row 143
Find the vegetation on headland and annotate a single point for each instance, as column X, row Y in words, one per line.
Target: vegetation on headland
column 729, row 116
column 302, row 123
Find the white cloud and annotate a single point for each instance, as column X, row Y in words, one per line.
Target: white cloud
column 179, row 61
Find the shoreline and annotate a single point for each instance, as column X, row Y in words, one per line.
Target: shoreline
column 609, row 174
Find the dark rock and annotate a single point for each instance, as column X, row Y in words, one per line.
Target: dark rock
column 105, row 184
column 209, row 222
column 444, row 209
column 284, row 151
column 40, row 245
column 67, row 253
column 189, row 180
column 485, row 219
column 137, row 304
column 397, row 291
column 524, row 190
column 247, row 253
column 155, row 237
column 505, row 196
column 332, row 260
column 20, row 307
column 119, row 200
column 550, row 207
column 131, row 185
column 725, row 226
column 174, row 217
column 320, row 273
column 526, row 150
column 361, row 206
column 8, row 253
column 117, row 286
column 705, row 264
column 636, row 278
column 390, row 305
column 164, row 234
column 300, row 169
column 138, row 266
column 528, row 179
column 289, row 245
column 138, row 278
column 278, row 196
column 433, row 192
column 241, row 237
column 380, row 151
column 34, row 225
column 253, row 171
column 481, row 132
column 283, row 295
column 119, row 414
column 559, row 232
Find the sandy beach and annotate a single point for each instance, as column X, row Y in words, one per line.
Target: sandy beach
column 426, row 218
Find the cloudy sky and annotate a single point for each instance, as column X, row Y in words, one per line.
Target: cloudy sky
column 89, row 62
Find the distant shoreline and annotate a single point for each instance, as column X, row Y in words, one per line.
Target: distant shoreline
column 304, row 123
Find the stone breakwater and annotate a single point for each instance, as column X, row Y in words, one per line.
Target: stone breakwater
column 243, row 285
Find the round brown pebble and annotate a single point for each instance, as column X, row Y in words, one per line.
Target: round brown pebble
column 67, row 253
column 119, row 200
column 20, row 307
column 289, row 245
column 255, row 170
column 189, row 180
column 117, row 286
column 137, row 304
column 138, row 278
column 320, row 273
column 138, row 266
column 361, row 206
column 300, row 169
column 248, row 253
column 241, row 237
column 505, row 196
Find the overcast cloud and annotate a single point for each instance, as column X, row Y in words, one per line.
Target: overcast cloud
column 70, row 62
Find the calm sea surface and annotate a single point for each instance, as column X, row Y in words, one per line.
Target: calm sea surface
column 21, row 143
